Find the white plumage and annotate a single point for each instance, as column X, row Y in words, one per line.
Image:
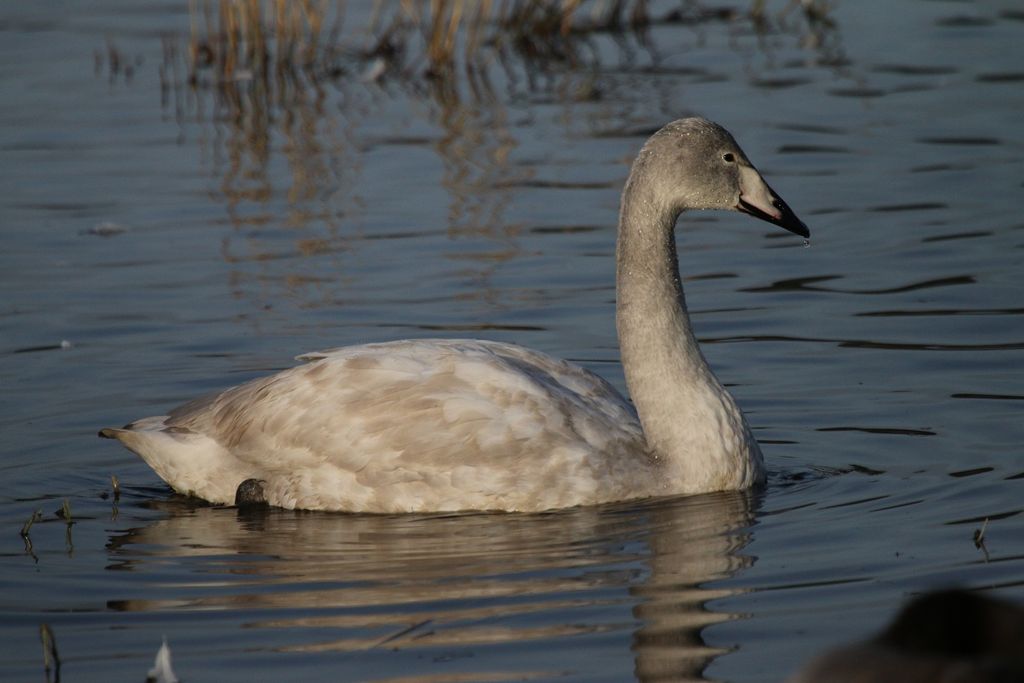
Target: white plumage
column 465, row 424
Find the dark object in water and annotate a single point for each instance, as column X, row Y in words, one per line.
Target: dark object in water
column 250, row 492
column 953, row 636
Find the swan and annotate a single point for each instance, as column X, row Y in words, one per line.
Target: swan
column 449, row 424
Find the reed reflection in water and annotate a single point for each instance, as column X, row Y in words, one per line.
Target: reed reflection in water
column 464, row 590
column 286, row 101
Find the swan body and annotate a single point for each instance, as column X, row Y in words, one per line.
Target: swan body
column 439, row 425
column 428, row 425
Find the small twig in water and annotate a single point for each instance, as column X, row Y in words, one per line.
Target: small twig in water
column 27, row 526
column 51, row 660
column 115, row 484
column 979, row 534
column 979, row 538
column 401, row 632
column 65, row 512
column 26, row 533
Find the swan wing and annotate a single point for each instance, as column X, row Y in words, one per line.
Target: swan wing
column 426, row 424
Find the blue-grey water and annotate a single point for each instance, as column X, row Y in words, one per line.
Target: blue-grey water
column 158, row 242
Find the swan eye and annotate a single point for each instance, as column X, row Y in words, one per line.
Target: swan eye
column 728, row 157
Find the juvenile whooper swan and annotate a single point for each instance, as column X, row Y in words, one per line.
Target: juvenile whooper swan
column 445, row 424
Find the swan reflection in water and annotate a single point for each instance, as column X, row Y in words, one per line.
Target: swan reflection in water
column 416, row 592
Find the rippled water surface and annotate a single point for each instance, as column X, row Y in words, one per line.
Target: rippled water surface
column 161, row 239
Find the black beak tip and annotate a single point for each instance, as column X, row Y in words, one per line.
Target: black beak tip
column 797, row 226
column 787, row 220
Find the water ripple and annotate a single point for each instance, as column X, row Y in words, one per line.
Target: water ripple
column 808, row 284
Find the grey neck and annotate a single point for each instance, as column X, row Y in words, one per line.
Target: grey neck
column 689, row 420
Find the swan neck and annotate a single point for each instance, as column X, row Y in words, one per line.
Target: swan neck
column 651, row 315
column 690, row 421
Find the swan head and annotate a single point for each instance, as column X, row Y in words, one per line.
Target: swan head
column 694, row 163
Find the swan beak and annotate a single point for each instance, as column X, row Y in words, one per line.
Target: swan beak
column 760, row 201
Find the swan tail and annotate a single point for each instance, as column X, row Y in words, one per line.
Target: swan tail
column 190, row 462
